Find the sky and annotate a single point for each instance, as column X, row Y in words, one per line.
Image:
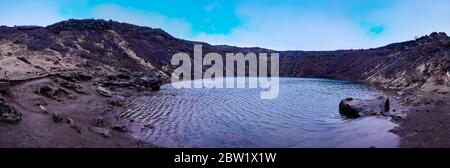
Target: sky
column 274, row 24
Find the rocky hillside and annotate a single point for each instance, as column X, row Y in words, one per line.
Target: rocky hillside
column 421, row 63
column 98, row 47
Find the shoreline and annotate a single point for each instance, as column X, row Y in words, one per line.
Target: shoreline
column 422, row 114
column 84, row 109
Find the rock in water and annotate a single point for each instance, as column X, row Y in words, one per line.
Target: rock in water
column 117, row 101
column 99, row 121
column 51, row 90
column 8, row 113
column 355, row 108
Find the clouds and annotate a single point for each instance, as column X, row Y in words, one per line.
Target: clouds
column 282, row 25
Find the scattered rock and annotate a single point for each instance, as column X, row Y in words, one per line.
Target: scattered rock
column 101, row 131
column 394, row 130
column 140, row 88
column 99, row 122
column 123, row 76
column 43, row 109
column 104, row 92
column 120, row 128
column 57, row 118
column 396, row 119
column 51, row 90
column 120, row 84
column 43, row 89
column 72, row 97
column 40, row 101
column 4, row 84
column 76, row 128
column 154, row 84
column 69, row 121
column 70, row 85
column 117, row 101
column 355, row 108
column 127, row 81
column 25, row 60
column 111, row 77
column 387, row 104
column 117, row 76
column 75, row 76
column 80, row 90
column 8, row 114
column 107, row 110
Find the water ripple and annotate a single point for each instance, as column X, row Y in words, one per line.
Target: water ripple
column 304, row 115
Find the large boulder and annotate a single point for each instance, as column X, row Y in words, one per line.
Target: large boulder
column 355, row 108
column 70, row 85
column 51, row 90
column 8, row 113
column 75, row 76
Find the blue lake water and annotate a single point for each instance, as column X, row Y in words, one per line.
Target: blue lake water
column 305, row 114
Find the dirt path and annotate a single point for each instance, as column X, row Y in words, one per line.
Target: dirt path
column 427, row 124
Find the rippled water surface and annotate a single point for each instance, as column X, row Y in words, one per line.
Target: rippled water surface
column 305, row 114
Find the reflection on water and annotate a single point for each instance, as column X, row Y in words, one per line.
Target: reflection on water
column 304, row 115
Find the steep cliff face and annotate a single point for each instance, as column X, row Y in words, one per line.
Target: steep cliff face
column 98, row 46
column 87, row 45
